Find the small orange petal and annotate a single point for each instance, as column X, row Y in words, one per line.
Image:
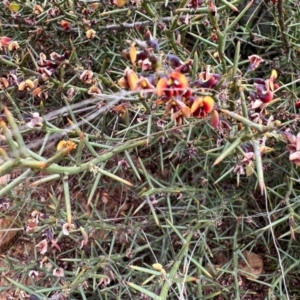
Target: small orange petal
column 3, row 83
column 208, row 104
column 29, row 83
column 95, row 5
column 196, row 104
column 175, row 115
column 122, row 82
column 120, row 3
column 272, row 79
column 179, row 121
column 22, row 86
column 121, row 109
column 132, row 78
column 144, row 83
column 158, row 102
column 186, row 111
column 37, row 9
column 36, row 91
column 132, row 54
column 180, row 78
column 94, row 90
column 274, row 74
column 65, row 24
column 161, row 86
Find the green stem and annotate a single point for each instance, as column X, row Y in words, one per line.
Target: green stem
column 15, row 106
column 258, row 127
column 147, row 7
column 172, row 274
column 244, row 108
column 8, row 188
column 16, row 133
column 85, row 167
column 67, row 200
column 259, row 166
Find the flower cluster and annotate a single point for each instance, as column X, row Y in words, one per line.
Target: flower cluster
column 169, row 80
column 7, row 42
column 179, row 99
column 168, row 77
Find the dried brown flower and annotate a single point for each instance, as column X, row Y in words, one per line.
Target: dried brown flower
column 26, row 85
column 59, row 272
column 42, row 246
column 37, row 9
column 86, row 76
column 90, row 34
column 13, row 46
column 3, row 83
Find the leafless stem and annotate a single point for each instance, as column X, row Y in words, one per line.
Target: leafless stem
column 282, row 25
column 138, row 24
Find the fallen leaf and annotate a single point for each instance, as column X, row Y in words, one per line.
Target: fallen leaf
column 7, row 234
column 4, row 179
column 252, row 267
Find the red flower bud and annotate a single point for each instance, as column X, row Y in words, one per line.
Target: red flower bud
column 214, row 118
column 265, row 96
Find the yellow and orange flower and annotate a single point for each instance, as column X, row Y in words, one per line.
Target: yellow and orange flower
column 202, row 106
column 174, row 85
column 178, row 109
column 63, row 144
column 65, row 25
column 129, row 80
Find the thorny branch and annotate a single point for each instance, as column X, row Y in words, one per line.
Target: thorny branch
column 121, row 26
column 282, row 25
